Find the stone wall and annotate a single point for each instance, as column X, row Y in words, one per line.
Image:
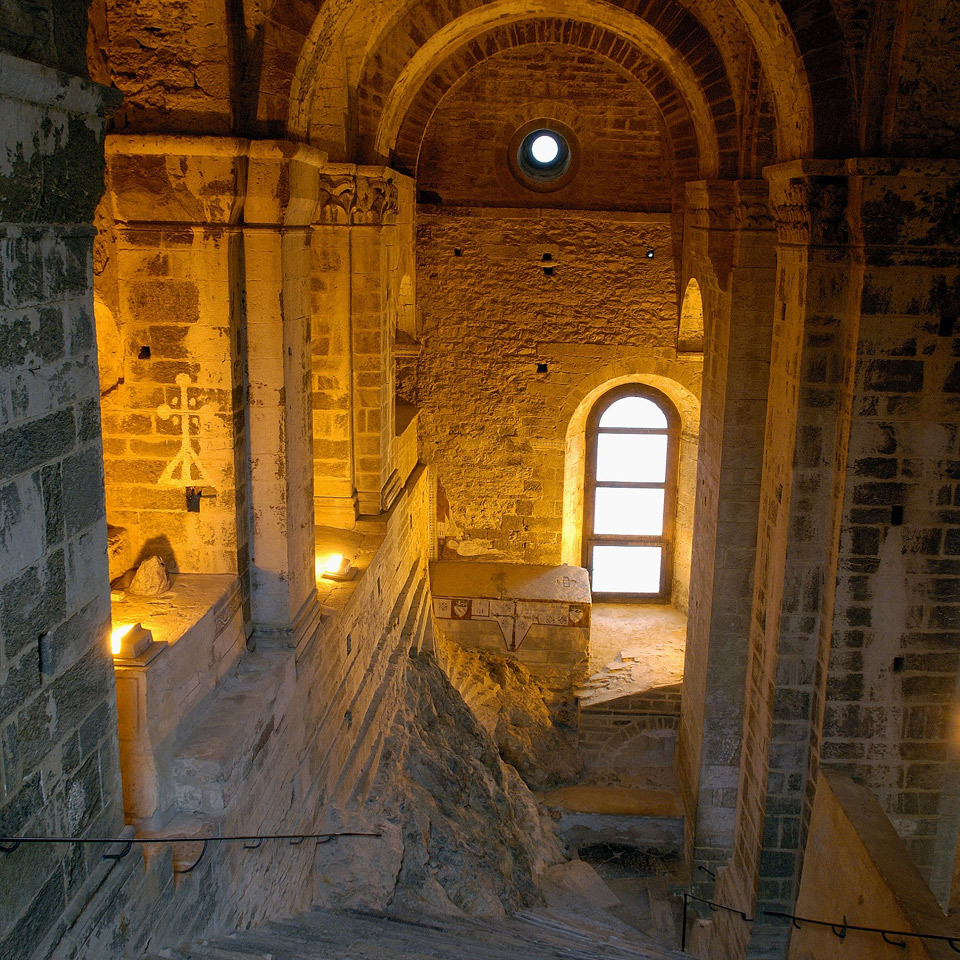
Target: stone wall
column 172, row 377
column 58, row 764
column 621, row 142
column 509, row 353
column 853, row 846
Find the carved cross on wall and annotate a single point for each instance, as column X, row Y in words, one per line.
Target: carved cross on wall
column 185, row 469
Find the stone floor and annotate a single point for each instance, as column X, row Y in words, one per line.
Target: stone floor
column 633, row 648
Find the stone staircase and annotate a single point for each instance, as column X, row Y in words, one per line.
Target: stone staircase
column 530, row 935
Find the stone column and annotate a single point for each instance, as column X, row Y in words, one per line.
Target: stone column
column 819, row 279
column 280, row 206
column 365, row 216
column 731, row 251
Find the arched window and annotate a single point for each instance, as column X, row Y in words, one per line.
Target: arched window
column 630, row 494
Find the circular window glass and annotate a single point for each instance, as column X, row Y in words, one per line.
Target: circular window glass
column 543, row 155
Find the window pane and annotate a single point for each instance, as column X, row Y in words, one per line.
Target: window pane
column 640, row 458
column 626, row 569
column 634, row 412
column 628, row 512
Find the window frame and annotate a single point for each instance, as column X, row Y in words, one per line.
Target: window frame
column 665, row 540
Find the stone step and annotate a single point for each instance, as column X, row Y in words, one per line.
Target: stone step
column 211, row 764
column 325, row 935
column 649, row 821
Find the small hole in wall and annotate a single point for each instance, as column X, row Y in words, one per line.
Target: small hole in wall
column 44, row 655
column 896, row 515
column 541, row 368
column 898, row 664
column 547, row 257
column 947, row 326
column 457, row 252
column 548, row 271
column 348, row 718
column 349, row 643
column 144, row 353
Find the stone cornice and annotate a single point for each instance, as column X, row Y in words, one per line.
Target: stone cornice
column 170, row 179
column 43, row 86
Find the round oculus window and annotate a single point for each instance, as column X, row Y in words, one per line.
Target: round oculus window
column 543, row 155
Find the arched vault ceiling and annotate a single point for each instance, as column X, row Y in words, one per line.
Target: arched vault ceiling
column 696, row 151
column 700, row 80
column 312, row 48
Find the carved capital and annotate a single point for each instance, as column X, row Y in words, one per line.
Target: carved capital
column 352, row 199
column 337, row 197
column 710, row 204
column 810, row 200
column 753, row 205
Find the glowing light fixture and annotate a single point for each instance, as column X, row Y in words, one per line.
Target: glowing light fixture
column 335, row 567
column 116, row 638
column 130, row 641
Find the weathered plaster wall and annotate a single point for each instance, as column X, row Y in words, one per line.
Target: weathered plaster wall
column 492, row 425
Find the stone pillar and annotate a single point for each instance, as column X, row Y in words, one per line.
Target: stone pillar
column 819, row 279
column 731, row 251
column 888, row 706
column 280, row 205
column 59, row 765
column 364, row 219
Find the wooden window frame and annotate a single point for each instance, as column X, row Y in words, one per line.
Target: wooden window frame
column 665, row 540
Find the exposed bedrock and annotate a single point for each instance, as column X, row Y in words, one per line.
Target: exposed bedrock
column 461, row 830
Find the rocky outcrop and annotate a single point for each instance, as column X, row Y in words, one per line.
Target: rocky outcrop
column 509, row 702
column 461, row 831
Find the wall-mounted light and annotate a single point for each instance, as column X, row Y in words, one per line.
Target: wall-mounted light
column 130, row 641
column 335, row 566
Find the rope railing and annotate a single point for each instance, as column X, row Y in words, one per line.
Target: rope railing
column 123, row 845
column 839, row 930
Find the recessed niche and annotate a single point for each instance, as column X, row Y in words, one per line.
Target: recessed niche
column 542, row 368
column 896, row 515
column 947, row 326
column 144, row 353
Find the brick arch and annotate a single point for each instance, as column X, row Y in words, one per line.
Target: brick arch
column 681, row 130
column 677, row 43
column 301, row 52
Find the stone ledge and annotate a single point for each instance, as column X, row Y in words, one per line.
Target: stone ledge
column 33, row 83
